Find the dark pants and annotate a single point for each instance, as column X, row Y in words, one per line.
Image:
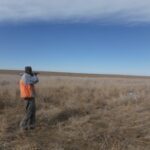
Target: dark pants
column 28, row 121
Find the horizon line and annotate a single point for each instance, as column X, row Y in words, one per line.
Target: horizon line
column 76, row 74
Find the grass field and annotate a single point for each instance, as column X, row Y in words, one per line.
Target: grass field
column 75, row 113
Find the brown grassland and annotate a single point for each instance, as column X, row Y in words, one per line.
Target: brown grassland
column 75, row 113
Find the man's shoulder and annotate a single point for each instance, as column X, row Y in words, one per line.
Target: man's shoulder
column 26, row 76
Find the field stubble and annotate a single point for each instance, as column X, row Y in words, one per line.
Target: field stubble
column 78, row 114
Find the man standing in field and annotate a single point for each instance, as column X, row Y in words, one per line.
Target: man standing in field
column 27, row 91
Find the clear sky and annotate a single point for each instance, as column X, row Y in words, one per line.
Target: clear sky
column 114, row 45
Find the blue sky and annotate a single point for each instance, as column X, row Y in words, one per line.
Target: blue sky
column 100, row 42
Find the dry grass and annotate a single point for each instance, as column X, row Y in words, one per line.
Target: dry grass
column 78, row 114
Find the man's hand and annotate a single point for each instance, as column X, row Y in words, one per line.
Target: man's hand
column 35, row 73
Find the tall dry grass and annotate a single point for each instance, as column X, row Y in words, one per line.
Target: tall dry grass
column 78, row 114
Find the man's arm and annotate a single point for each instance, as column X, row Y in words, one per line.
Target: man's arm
column 34, row 79
column 29, row 79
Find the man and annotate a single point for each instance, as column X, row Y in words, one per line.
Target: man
column 27, row 92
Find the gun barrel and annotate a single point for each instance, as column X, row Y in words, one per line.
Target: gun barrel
column 34, row 73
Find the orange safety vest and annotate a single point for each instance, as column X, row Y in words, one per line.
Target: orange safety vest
column 26, row 90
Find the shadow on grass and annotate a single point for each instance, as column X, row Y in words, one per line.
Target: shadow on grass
column 64, row 115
